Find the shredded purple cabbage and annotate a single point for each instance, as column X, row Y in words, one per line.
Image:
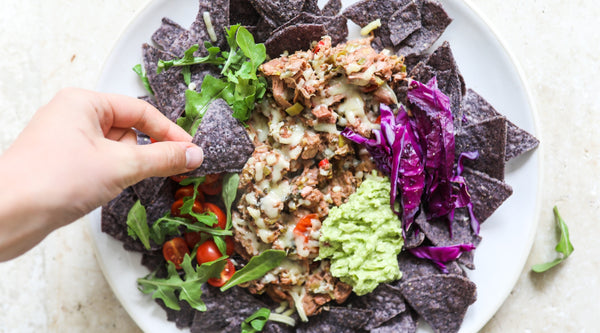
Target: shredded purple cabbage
column 442, row 254
column 417, row 153
column 395, row 152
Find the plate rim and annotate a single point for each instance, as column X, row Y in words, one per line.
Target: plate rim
column 539, row 152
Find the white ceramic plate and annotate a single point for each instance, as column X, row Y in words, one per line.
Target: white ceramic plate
column 487, row 68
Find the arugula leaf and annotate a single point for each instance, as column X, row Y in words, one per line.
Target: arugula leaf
column 189, row 288
column 140, row 72
column 229, row 192
column 196, row 103
column 189, row 58
column 256, row 268
column 255, row 52
column 240, row 85
column 187, row 75
column 137, row 224
column 256, row 322
column 221, row 245
column 169, row 226
column 564, row 246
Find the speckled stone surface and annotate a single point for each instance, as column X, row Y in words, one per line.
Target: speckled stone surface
column 59, row 287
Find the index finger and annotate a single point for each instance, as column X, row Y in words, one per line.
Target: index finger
column 124, row 112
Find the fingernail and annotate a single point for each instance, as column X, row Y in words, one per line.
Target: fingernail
column 193, row 157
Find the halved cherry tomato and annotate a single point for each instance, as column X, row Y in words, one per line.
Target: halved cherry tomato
column 212, row 185
column 153, row 140
column 176, row 208
column 174, row 251
column 188, row 191
column 221, row 217
column 230, row 245
column 226, row 274
column 178, row 178
column 378, row 120
column 303, row 226
column 192, row 238
column 208, row 251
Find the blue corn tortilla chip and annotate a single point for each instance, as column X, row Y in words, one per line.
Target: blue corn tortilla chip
column 405, row 322
column 114, row 214
column 332, row 8
column 413, row 238
column 293, row 38
column 434, row 21
column 442, row 299
column 487, row 193
column 168, row 86
column 489, row 139
column 365, row 11
column 412, row 267
column 223, row 139
column 242, row 12
column 218, row 11
column 278, row 11
column 312, row 7
column 225, row 310
column 518, row 141
column 168, row 35
column 404, row 22
column 336, row 27
column 182, row 318
column 386, row 302
column 476, row 109
column 337, row 319
column 438, row 233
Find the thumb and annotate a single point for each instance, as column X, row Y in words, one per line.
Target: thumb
column 163, row 159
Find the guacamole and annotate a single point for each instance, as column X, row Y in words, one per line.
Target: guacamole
column 363, row 237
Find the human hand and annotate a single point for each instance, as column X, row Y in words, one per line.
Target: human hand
column 78, row 152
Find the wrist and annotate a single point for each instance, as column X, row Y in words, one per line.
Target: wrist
column 24, row 218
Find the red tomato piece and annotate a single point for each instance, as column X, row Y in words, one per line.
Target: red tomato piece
column 303, row 226
column 176, row 208
column 192, row 238
column 211, row 188
column 208, row 251
column 226, row 274
column 230, row 245
column 178, row 178
column 221, row 217
column 209, row 179
column 188, row 191
column 153, row 140
column 174, row 251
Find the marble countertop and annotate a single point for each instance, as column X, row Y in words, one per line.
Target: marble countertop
column 58, row 286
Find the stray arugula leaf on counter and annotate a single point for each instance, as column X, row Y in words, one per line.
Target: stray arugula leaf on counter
column 564, row 246
column 140, row 72
column 230, row 186
column 189, row 288
column 137, row 224
column 256, row 268
column 240, row 86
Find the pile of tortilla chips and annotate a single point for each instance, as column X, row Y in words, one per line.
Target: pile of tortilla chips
column 408, row 28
